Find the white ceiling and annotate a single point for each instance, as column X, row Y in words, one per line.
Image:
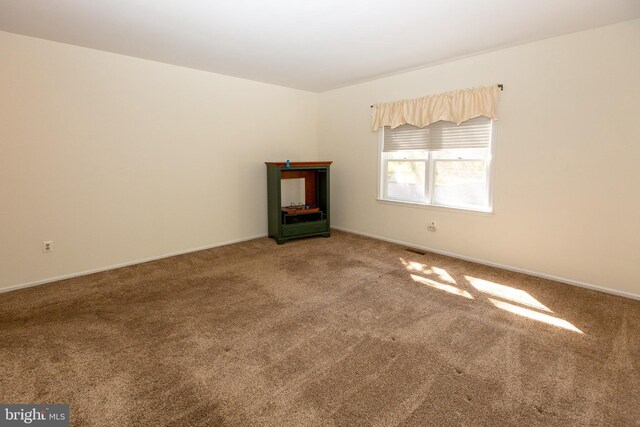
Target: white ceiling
column 314, row 45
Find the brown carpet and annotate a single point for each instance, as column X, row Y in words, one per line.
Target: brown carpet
column 321, row 332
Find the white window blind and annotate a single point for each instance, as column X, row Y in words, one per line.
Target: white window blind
column 474, row 133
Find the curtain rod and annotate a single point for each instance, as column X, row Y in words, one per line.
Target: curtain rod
column 500, row 85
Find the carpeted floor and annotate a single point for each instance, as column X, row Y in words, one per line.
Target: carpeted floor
column 339, row 331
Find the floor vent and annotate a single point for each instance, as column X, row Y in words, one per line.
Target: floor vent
column 415, row 251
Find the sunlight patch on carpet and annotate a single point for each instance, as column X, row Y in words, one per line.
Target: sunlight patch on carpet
column 486, row 288
column 507, row 292
column 441, row 286
column 415, row 266
column 540, row 317
column 443, row 275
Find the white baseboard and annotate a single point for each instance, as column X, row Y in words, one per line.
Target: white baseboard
column 503, row 266
column 125, row 264
column 399, row 242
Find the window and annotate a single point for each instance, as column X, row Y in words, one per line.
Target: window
column 443, row 164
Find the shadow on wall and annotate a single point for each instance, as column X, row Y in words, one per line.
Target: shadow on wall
column 520, row 302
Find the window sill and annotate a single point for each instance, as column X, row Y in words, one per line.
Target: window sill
column 481, row 212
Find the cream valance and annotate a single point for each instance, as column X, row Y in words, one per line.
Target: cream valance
column 456, row 106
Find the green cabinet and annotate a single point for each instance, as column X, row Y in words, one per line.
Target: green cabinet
column 308, row 216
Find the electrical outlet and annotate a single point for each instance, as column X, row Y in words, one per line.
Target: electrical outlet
column 432, row 226
column 47, row 246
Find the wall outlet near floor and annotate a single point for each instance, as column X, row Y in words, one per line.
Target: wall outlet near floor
column 47, row 246
column 432, row 226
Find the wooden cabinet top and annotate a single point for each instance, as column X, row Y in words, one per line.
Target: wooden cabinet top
column 298, row 164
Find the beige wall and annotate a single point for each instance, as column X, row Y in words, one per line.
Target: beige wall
column 118, row 159
column 567, row 159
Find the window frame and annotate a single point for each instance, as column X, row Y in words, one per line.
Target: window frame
column 430, row 177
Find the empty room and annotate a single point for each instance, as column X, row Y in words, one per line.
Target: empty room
column 319, row 213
